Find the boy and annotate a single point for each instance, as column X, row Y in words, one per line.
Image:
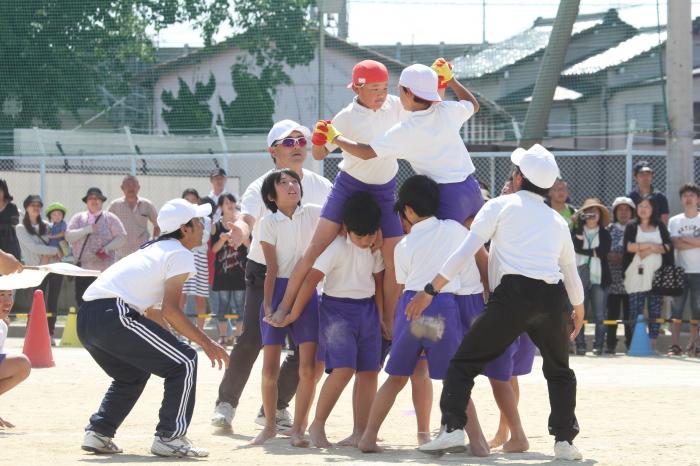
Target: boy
column 56, row 212
column 415, row 258
column 350, row 329
column 13, row 369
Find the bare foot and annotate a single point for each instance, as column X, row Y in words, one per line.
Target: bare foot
column 499, row 439
column 368, row 446
column 423, row 437
column 351, row 441
column 266, row 434
column 478, row 446
column 318, row 435
column 297, row 439
column 516, row 445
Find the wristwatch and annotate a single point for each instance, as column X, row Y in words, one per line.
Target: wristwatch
column 430, row 290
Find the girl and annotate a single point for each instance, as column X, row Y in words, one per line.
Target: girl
column 648, row 246
column 592, row 244
column 284, row 235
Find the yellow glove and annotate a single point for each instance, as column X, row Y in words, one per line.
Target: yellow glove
column 324, row 132
column 443, row 68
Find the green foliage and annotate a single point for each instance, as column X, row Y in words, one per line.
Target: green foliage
column 189, row 110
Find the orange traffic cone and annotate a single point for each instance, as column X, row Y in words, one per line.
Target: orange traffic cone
column 37, row 341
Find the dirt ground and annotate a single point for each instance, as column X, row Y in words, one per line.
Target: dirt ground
column 632, row 411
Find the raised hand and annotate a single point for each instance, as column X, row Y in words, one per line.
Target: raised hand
column 443, row 68
column 324, row 132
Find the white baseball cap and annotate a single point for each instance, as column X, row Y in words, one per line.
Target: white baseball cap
column 622, row 200
column 537, row 164
column 422, row 81
column 177, row 212
column 284, row 128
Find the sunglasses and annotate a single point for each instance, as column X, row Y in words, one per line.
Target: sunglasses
column 291, row 142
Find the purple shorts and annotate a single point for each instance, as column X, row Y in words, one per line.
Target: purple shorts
column 406, row 348
column 350, row 334
column 345, row 186
column 460, row 201
column 304, row 329
column 516, row 360
column 2, row 357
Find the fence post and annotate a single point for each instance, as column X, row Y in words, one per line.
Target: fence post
column 516, row 131
column 628, row 156
column 492, row 175
column 132, row 146
column 224, row 148
column 42, row 164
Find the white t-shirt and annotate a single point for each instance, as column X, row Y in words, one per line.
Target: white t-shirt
column 289, row 236
column 470, row 279
column 527, row 238
column 3, row 335
column 139, row 278
column 361, row 124
column 430, row 141
column 348, row 269
column 419, row 255
column 680, row 225
column 316, row 189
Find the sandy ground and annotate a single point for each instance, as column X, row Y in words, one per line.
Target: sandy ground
column 632, row 411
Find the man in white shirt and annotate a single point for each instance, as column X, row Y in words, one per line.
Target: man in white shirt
column 685, row 234
column 287, row 143
column 531, row 250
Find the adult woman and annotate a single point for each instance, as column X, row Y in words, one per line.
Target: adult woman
column 592, row 244
column 9, row 218
column 623, row 211
column 33, row 237
column 648, row 246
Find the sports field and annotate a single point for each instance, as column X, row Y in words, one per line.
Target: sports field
column 632, row 411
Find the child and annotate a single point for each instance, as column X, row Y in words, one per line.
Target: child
column 56, row 213
column 283, row 235
column 350, row 329
column 429, row 138
column 198, row 286
column 415, row 258
column 13, row 369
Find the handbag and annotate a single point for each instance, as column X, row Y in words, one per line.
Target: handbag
column 668, row 281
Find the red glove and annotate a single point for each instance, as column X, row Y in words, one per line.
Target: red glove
column 319, row 138
column 102, row 254
column 443, row 68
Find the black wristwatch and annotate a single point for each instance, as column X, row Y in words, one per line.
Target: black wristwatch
column 430, row 290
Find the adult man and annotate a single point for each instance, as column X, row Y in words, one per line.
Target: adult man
column 644, row 176
column 217, row 178
column 135, row 212
column 531, row 248
column 94, row 236
column 287, row 141
column 130, row 347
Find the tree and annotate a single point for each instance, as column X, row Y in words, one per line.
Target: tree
column 189, row 110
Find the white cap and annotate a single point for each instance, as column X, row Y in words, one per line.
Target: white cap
column 177, row 212
column 284, row 128
column 537, row 164
column 422, row 81
column 622, row 200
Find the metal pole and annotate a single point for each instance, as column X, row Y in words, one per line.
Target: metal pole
column 134, row 152
column 483, row 22
column 321, row 63
column 628, row 156
column 224, row 148
column 679, row 91
column 42, row 164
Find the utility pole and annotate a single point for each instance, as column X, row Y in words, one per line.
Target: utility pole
column 679, row 101
column 343, row 20
column 537, row 115
column 483, row 21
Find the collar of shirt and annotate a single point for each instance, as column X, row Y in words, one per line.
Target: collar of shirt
column 427, row 111
column 358, row 107
column 281, row 217
column 530, row 195
column 426, row 224
column 92, row 218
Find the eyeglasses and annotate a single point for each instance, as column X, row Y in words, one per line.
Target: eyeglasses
column 291, row 142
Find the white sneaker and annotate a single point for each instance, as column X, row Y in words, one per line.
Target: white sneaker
column 179, row 447
column 223, row 415
column 566, row 451
column 282, row 418
column 98, row 443
column 445, row 442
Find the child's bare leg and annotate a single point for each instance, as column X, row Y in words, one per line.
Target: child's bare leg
column 380, row 408
column 13, row 371
column 507, row 402
column 352, row 440
column 364, row 392
column 477, row 442
column 422, row 393
column 330, row 392
column 304, row 394
column 392, row 291
column 201, row 306
column 223, row 328
column 270, row 372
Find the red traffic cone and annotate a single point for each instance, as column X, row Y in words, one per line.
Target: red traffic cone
column 37, row 341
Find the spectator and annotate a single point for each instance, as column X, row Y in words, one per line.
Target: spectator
column 592, row 244
column 229, row 268
column 56, row 214
column 13, row 369
column 217, row 178
column 33, row 235
column 9, row 218
column 558, row 200
column 134, row 212
column 685, row 234
column 623, row 211
column 94, row 236
column 648, row 246
column 643, row 176
column 198, row 286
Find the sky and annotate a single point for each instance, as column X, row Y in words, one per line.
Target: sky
column 452, row 21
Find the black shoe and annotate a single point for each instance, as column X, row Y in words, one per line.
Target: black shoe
column 580, row 351
column 609, row 351
column 597, row 351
